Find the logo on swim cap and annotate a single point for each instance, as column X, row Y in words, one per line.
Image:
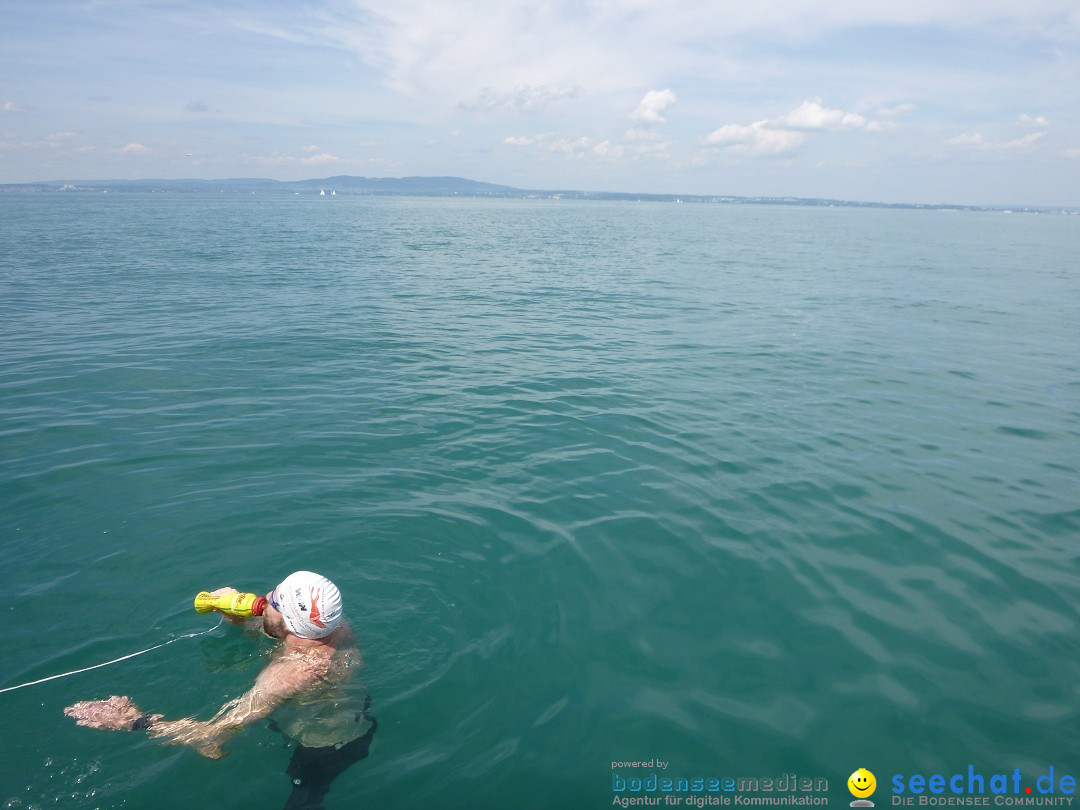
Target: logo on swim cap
column 315, row 616
column 310, row 604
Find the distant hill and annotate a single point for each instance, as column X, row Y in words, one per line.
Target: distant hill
column 403, row 185
column 342, row 184
column 446, row 187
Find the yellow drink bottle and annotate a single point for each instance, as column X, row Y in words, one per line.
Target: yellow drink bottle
column 235, row 604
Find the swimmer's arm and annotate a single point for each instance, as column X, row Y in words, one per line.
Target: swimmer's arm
column 275, row 684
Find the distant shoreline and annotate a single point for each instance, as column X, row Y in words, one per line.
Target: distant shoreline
column 346, row 185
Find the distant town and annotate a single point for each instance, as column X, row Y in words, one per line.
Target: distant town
column 455, row 187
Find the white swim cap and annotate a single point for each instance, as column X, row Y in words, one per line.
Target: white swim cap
column 309, row 604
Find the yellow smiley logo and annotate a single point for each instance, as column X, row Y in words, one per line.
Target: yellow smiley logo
column 861, row 783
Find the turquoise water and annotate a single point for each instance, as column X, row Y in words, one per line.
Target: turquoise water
column 751, row 490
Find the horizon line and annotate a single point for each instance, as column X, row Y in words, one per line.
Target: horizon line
column 477, row 188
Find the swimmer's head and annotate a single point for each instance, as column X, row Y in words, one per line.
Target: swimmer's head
column 310, row 605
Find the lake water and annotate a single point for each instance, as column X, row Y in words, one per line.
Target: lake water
column 750, row 490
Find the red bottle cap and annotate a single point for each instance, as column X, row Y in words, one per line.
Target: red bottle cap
column 258, row 606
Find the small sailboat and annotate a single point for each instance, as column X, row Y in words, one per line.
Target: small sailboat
column 322, row 192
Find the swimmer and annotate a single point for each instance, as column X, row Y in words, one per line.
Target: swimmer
column 316, row 656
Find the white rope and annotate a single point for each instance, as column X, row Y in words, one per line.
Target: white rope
column 115, row 660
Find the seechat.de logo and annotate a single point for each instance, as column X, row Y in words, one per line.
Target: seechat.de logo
column 975, row 789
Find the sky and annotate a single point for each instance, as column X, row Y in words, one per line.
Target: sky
column 910, row 101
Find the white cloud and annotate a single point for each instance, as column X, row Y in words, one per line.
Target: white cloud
column 551, row 142
column 58, row 139
column 975, row 140
column 609, row 149
column 643, row 141
column 134, row 149
column 1073, row 153
column 811, row 115
column 756, row 139
column 315, row 157
column 568, row 146
column 897, row 111
column 1022, row 143
column 526, row 55
column 787, row 132
column 322, row 157
column 651, row 107
column 642, row 135
column 880, row 126
column 523, row 97
column 1034, row 120
column 583, row 146
column 432, row 49
column 10, row 107
column 967, row 139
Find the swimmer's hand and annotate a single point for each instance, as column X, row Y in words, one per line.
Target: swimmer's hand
column 228, row 592
column 116, row 713
column 204, row 737
column 119, row 713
